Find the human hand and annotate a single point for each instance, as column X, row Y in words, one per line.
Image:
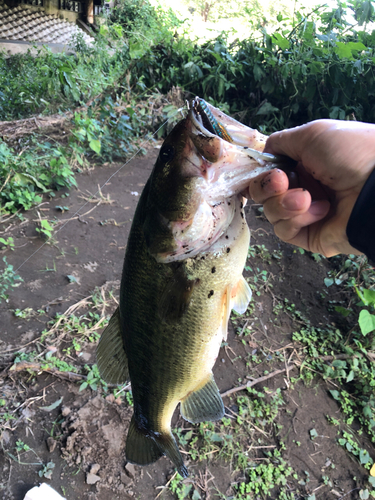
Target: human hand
column 335, row 158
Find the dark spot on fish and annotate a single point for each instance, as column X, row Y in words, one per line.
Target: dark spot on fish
column 242, row 214
column 210, row 294
column 166, row 153
column 228, row 203
column 203, row 257
column 228, row 250
column 241, row 205
column 188, row 251
column 246, row 147
column 185, row 246
column 213, row 270
column 227, row 237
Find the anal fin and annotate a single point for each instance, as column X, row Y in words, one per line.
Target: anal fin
column 110, row 353
column 240, row 296
column 143, row 448
column 203, row 404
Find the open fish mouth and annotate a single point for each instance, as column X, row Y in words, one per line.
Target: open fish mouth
column 210, row 121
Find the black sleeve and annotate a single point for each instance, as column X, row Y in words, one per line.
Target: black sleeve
column 361, row 226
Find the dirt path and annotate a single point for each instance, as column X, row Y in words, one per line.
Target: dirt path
column 83, row 437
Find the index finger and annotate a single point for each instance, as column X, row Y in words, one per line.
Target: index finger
column 293, row 142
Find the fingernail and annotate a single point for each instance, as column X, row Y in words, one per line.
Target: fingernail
column 319, row 207
column 294, row 200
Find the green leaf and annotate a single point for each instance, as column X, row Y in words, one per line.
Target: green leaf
column 52, row 406
column 25, row 179
column 281, row 41
column 343, row 50
column 137, row 50
column 196, row 495
column 341, row 310
column 356, row 46
column 266, row 108
column 328, row 282
column 83, row 386
column 366, row 322
column 350, row 377
column 368, row 297
column 364, row 494
column 364, row 457
column 335, row 395
column 367, row 412
column 313, row 433
column 95, row 145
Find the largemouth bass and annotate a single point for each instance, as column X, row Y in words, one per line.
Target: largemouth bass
column 182, row 276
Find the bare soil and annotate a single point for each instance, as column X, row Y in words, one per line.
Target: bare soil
column 85, row 435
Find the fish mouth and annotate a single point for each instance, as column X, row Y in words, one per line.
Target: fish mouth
column 211, row 122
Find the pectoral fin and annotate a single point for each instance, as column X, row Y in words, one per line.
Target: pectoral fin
column 110, row 353
column 203, row 404
column 240, row 296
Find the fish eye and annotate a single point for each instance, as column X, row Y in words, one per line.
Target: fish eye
column 166, row 153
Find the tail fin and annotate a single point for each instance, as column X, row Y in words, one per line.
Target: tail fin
column 143, row 449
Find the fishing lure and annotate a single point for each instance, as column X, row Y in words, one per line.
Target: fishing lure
column 210, row 122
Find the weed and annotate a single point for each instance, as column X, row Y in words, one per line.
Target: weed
column 47, row 470
column 45, row 229
column 8, row 279
column 8, row 243
column 93, row 379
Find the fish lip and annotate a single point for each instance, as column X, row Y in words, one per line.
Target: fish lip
column 198, row 115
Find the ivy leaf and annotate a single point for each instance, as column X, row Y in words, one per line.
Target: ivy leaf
column 366, row 322
column 328, row 282
column 368, row 297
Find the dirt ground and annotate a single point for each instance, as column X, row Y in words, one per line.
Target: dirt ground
column 84, row 436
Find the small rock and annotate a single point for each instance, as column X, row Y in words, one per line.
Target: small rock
column 125, row 478
column 92, row 478
column 65, row 411
column 130, row 470
column 118, row 401
column 51, row 444
column 95, row 469
column 110, row 398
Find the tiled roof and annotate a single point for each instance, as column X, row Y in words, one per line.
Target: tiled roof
column 23, row 23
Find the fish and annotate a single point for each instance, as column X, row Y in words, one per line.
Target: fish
column 182, row 276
